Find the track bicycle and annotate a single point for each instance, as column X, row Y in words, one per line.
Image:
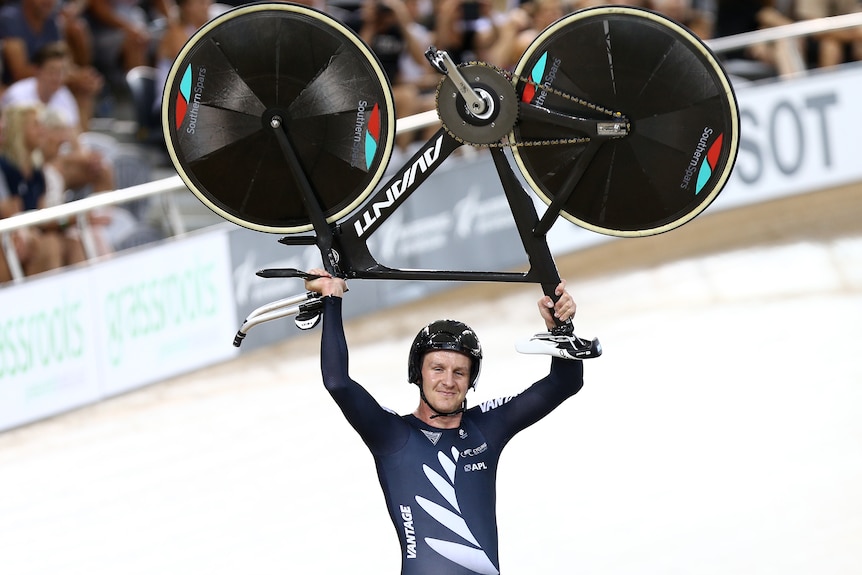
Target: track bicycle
column 279, row 118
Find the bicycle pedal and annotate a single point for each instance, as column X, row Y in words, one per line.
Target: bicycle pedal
column 564, row 346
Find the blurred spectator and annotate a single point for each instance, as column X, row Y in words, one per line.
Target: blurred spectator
column 84, row 171
column 466, row 29
column 696, row 16
column 836, row 47
column 191, row 15
column 67, row 164
column 70, row 168
column 756, row 61
column 25, row 27
column 521, row 26
column 48, row 85
column 420, row 72
column 23, row 187
column 579, row 4
column 787, row 56
column 122, row 34
column 57, row 135
column 28, row 26
column 387, row 27
column 76, row 31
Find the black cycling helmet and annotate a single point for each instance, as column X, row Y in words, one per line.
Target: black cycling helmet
column 444, row 334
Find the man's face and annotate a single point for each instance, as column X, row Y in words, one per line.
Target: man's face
column 53, row 74
column 445, row 379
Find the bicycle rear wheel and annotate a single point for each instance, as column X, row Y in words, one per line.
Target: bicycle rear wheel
column 262, row 61
column 684, row 121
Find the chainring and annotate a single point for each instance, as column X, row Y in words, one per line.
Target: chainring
column 499, row 131
column 498, row 93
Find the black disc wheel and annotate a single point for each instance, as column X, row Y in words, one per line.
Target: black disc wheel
column 272, row 66
column 684, row 122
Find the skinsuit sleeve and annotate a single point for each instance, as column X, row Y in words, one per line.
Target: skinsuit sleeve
column 503, row 418
column 381, row 430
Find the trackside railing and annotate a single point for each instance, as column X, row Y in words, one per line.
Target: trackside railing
column 166, row 188
column 77, row 210
column 786, row 32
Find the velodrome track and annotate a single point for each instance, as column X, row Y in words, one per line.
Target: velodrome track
column 719, row 433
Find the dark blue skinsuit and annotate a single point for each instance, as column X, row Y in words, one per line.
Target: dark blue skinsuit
column 440, row 484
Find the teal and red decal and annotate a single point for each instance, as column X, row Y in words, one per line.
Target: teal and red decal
column 704, row 161
column 366, row 135
column 536, row 75
column 372, row 135
column 184, row 96
column 708, row 167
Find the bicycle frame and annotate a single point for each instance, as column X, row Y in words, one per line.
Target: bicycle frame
column 344, row 250
column 343, row 246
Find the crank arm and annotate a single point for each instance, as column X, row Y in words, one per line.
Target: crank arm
column 444, row 64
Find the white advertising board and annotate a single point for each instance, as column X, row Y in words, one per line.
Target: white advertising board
column 48, row 346
column 163, row 311
column 797, row 136
column 76, row 337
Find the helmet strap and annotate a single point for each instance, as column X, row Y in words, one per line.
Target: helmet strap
column 437, row 414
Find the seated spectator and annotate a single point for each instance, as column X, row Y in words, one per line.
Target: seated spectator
column 23, row 185
column 419, row 71
column 83, row 168
column 191, row 15
column 836, row 47
column 386, row 26
column 580, row 4
column 696, row 18
column 33, row 252
column 466, row 29
column 48, row 85
column 761, row 60
column 70, row 168
column 76, row 32
column 521, row 27
column 122, row 35
column 26, row 27
column 788, row 56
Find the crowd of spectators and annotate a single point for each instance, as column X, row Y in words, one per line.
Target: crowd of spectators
column 498, row 32
column 65, row 61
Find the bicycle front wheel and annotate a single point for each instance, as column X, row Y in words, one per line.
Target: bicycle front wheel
column 684, row 121
column 268, row 64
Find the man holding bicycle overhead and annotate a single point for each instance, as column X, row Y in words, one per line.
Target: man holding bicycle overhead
column 438, row 465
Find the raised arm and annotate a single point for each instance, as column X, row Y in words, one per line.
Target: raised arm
column 565, row 378
column 380, row 429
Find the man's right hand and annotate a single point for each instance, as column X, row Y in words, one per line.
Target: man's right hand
column 325, row 284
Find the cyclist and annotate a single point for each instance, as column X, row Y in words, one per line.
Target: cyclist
column 437, row 466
